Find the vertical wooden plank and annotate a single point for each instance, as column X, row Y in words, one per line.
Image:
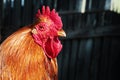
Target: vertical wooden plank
column 72, row 59
column 71, row 5
column 91, row 19
column 27, row 16
column 64, row 7
column 65, row 59
column 87, row 56
column 95, row 4
column 104, row 61
column 69, row 21
column 60, row 61
column 55, row 4
column 36, row 4
column 65, row 22
column 6, row 29
column 72, row 22
column 79, row 61
column 77, row 21
column 114, row 59
column 95, row 62
column 7, row 13
column 1, row 11
column 101, row 4
column 83, row 60
column 16, row 14
column 1, row 8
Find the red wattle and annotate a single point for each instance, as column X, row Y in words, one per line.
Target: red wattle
column 53, row 47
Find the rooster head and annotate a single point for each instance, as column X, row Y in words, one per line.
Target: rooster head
column 47, row 29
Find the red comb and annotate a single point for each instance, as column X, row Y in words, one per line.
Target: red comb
column 53, row 15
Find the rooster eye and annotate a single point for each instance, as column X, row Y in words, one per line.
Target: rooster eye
column 41, row 28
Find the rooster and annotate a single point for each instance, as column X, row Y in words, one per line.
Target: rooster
column 30, row 52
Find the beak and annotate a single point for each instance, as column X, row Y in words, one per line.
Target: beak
column 61, row 33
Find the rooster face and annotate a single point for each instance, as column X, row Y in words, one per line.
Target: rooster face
column 47, row 29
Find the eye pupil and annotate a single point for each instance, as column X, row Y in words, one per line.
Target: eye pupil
column 41, row 27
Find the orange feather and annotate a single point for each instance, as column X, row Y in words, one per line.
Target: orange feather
column 23, row 59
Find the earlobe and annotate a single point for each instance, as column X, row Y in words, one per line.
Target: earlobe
column 34, row 31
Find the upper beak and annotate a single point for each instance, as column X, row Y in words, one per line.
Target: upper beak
column 61, row 33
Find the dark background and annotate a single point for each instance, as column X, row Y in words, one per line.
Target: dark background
column 91, row 49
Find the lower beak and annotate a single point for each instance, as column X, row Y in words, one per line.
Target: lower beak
column 61, row 33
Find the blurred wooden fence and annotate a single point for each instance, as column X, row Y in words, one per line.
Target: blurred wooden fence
column 91, row 49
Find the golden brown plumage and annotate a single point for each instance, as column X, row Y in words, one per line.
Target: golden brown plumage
column 27, row 63
column 24, row 58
